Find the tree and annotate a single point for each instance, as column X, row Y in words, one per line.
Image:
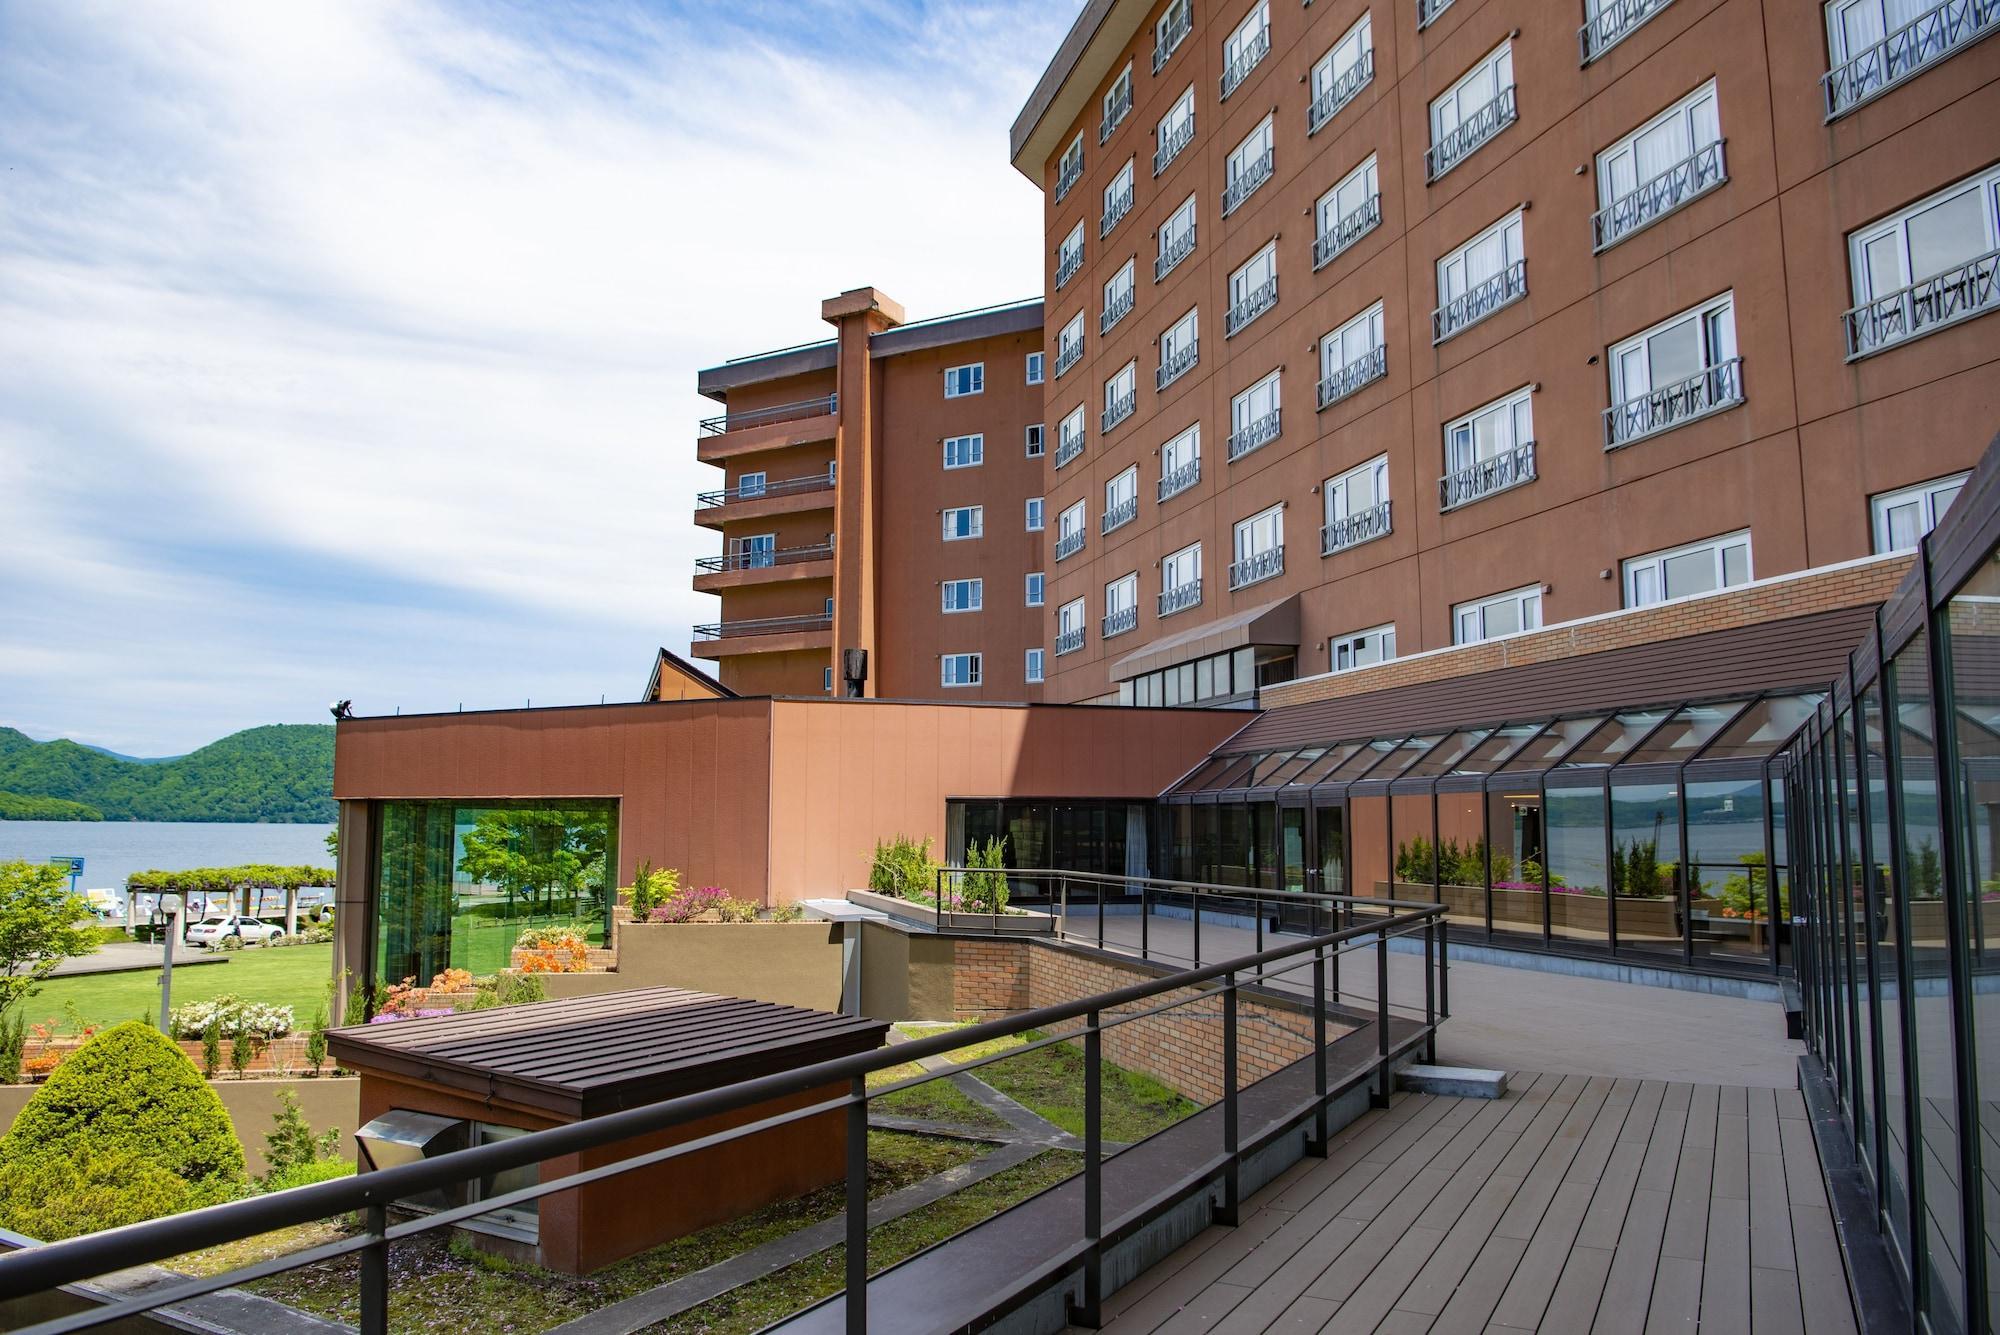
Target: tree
column 39, row 919
column 542, row 854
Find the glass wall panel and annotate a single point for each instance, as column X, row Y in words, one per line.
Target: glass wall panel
column 1645, row 866
column 1235, row 853
column 1369, row 847
column 1462, row 855
column 1417, row 846
column 1781, row 871
column 1887, row 925
column 1514, row 833
column 1330, row 836
column 1577, row 870
column 1728, row 882
column 1854, row 928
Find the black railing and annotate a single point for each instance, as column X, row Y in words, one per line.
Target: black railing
column 1355, row 529
column 1366, row 369
column 1117, row 410
column 1119, row 515
column 1168, row 39
column 755, row 491
column 1172, row 143
column 1468, row 308
column 728, row 630
column 1116, row 309
column 1178, row 480
column 777, row 412
column 1254, row 434
column 1254, row 303
column 1176, row 365
column 1180, row 597
column 1428, row 10
column 1115, row 114
column 765, row 558
column 1245, row 183
column 1174, row 247
column 1247, row 59
column 1115, row 210
column 1486, row 477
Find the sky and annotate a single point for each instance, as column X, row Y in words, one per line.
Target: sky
column 348, row 350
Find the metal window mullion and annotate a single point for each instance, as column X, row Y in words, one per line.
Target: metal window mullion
column 1871, row 893
column 1913, row 1181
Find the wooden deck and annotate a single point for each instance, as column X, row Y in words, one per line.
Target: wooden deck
column 1573, row 1204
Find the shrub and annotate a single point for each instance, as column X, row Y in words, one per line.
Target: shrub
column 304, row 1175
column 211, row 1048
column 240, row 1054
column 984, row 887
column 787, row 913
column 13, row 1043
column 554, row 950
column 52, row 1197
column 316, row 1042
column 290, row 1144
column 731, row 909
column 537, row 938
column 903, row 868
column 688, row 905
column 452, row 980
column 650, row 888
column 230, row 1015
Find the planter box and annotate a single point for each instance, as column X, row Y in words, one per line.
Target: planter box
column 789, row 963
column 1013, row 922
column 1569, row 912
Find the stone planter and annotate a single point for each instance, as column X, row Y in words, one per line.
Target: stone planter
column 790, row 963
column 1024, row 922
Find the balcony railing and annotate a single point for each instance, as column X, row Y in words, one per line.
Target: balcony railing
column 1069, row 641
column 1119, row 515
column 1117, row 309
column 1428, row 10
column 1685, row 181
column 1117, row 410
column 1178, row 248
column 1245, row 183
column 1180, row 597
column 1067, row 265
column 765, row 558
column 1117, row 623
column 1170, row 147
column 1114, row 115
column 1470, row 307
column 1067, row 175
column 1254, row 435
column 1347, row 229
column 1069, row 544
column 790, row 486
column 1612, row 22
column 1369, row 367
column 1180, row 479
column 1246, row 60
column 1470, row 133
column 1973, row 288
column 1487, row 477
column 1259, row 300
column 728, row 630
column 1176, row 366
column 1068, row 355
column 1169, row 38
column 1340, row 92
column 777, row 412
column 1912, row 48
column 1115, row 211
column 1357, row 528
column 1709, row 391
column 1257, row 567
column 1068, row 448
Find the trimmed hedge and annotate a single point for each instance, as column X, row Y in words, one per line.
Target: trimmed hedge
column 53, row 1197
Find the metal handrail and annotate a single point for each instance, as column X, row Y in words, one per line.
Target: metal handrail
column 1180, row 597
column 1347, row 229
column 1119, row 515
column 1120, row 307
column 1364, row 370
column 1706, row 391
column 1069, row 641
column 1169, row 41
column 1355, row 529
column 1256, row 568
column 1068, row 447
column 1916, row 46
column 777, row 412
column 1067, row 266
column 1069, row 544
column 1115, row 116
column 1178, row 481
column 1117, row 411
column 1115, row 211
column 1260, row 169
column 1340, row 92
column 785, row 487
column 1648, row 202
column 1068, row 355
column 1973, row 288
column 1246, row 60
column 1177, row 366
column 1120, row 621
column 1255, row 434
column 765, row 558
column 1177, row 249
column 1468, row 308
column 723, row 630
column 1428, row 10
column 1170, row 147
column 1612, row 23
column 1465, row 137
column 1066, row 178
column 1262, row 298
column 1487, row 477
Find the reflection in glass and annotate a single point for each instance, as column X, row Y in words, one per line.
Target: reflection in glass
column 1575, row 827
column 1645, row 871
column 1887, row 935
column 1728, row 883
column 1514, row 833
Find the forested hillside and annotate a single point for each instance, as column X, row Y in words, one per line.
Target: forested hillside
column 282, row 773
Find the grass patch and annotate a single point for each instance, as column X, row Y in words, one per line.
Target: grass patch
column 938, row 1101
column 1049, row 1081
column 294, row 976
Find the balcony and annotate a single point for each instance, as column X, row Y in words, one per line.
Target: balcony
column 1115, row 310
column 1068, row 355
column 1487, row 477
column 1069, row 641
column 1428, row 10
column 1117, row 411
column 1114, row 212
column 1067, row 175
column 1170, row 147
column 1469, row 308
column 1115, row 114
column 1069, row 544
column 1068, row 448
column 1067, row 265
column 776, row 427
column 1176, row 366
column 1710, row 391
column 1357, row 528
column 762, row 635
column 1254, row 435
column 787, row 496
column 1246, row 60
column 1973, row 288
column 1682, row 183
column 1906, row 52
column 1262, row 299
column 1347, row 229
column 1180, row 597
column 763, row 566
column 1119, row 515
column 1177, row 249
column 1117, row 623
column 1244, row 184
column 776, row 413
column 1612, row 23
column 1169, row 39
column 1369, row 367
column 1180, row 479
column 1342, row 91
column 1469, row 134
column 1256, row 568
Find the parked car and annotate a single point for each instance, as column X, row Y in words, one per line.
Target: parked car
column 212, row 930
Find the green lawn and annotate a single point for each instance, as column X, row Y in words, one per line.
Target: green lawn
column 294, row 976
column 936, row 1101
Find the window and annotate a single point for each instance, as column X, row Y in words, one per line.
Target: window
column 1178, row 350
column 1660, row 166
column 1341, row 73
column 1501, row 614
column 829, row 607
column 753, row 551
column 1248, row 166
column 960, row 381
column 1253, row 416
column 1359, row 648
column 750, row 484
column 964, row 595
column 1699, row 567
column 1260, row 547
column 961, row 669
column 1491, row 432
column 1117, row 297
column 1352, row 356
column 1034, row 514
column 1873, row 45
column 1035, row 588
column 1609, row 22
column 1069, row 627
column 1243, row 48
column 1069, row 436
column 1901, row 518
column 1481, row 276
column 1121, row 395
column 1675, row 372
column 1117, row 103
column 1180, row 462
column 1347, row 212
column 1472, row 110
column 1069, row 344
column 1357, row 506
column 1121, row 605
column 1253, row 289
column 1176, row 239
column 1175, row 131
column 1929, row 266
column 1180, row 570
column 826, row 680
column 1117, row 199
column 1069, row 256
column 1034, row 666
column 964, row 522
column 1172, row 29
column 1034, row 368
column 1069, row 169
column 1070, row 522
column 1035, row 440
column 964, row 451
column 1121, row 499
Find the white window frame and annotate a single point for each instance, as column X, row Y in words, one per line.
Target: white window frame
column 1074, row 417
column 1259, row 399
column 1182, row 443
column 1333, row 357
column 1329, row 219
column 1261, row 140
column 970, row 450
column 975, row 529
column 1180, row 223
column 745, row 548
column 1498, row 64
column 1070, row 250
column 750, row 485
column 1617, row 167
column 1338, row 491
column 1121, row 487
column 1036, row 513
column 1268, row 522
column 1652, row 567
column 1034, row 666
column 1073, row 519
column 971, row 375
column 1895, row 229
column 1242, row 38
column 1121, row 183
column 1110, row 100
column 971, row 595
column 1069, row 336
column 1329, row 69
column 1252, row 274
column 1121, row 284
column 1628, row 366
column 1187, row 329
column 826, row 680
column 1925, row 495
column 957, row 671
column 1344, row 653
column 1036, row 440
column 1074, row 153
column 1169, row 127
column 1526, row 600
column 1180, row 568
column 1468, row 444
column 1035, row 589
column 1037, row 367
column 1122, row 593
column 1071, row 616
column 1454, row 269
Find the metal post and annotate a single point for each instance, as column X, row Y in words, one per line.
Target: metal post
column 1232, row 1185
column 1145, row 921
column 1316, row 1145
column 172, row 931
column 1444, row 979
column 1089, row 1314
column 1194, row 903
column 1380, row 1097
column 375, row 1273
column 1257, row 906
column 1431, row 931
column 857, row 1209
column 1100, row 915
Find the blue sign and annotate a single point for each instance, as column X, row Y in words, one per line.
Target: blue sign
column 75, row 865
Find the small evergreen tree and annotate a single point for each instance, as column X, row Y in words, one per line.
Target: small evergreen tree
column 211, row 1048
column 316, row 1041
column 240, row 1053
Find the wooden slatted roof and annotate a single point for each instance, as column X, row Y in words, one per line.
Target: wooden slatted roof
column 586, row 1056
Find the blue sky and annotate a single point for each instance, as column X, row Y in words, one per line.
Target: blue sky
column 348, row 349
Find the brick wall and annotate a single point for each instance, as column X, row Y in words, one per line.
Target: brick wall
column 1851, row 585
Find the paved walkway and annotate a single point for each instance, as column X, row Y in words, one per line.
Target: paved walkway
column 131, row 956
column 1572, row 1204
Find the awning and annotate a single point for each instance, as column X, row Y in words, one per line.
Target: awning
column 1273, row 624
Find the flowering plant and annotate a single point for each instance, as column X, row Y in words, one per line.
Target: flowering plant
column 231, row 1015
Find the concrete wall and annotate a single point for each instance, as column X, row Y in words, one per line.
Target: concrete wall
column 328, row 1102
column 905, row 976
column 790, row 963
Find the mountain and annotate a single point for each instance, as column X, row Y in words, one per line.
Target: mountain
column 120, row 755
column 282, row 774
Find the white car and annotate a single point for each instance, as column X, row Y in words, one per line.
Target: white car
column 211, row 931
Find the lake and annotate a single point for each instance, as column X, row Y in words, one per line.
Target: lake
column 113, row 850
